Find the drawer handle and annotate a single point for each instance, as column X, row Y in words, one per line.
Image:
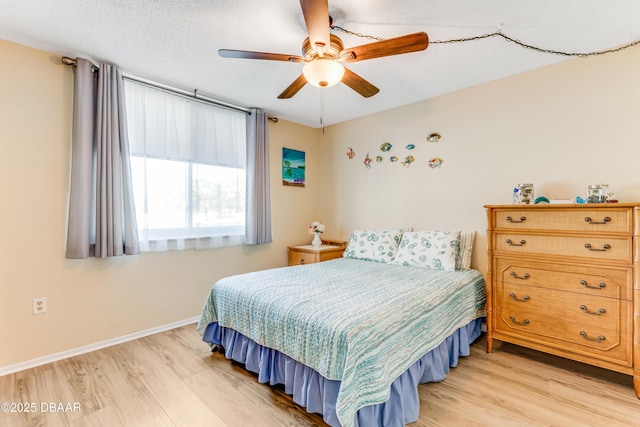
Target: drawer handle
column 604, row 248
column 605, row 220
column 522, row 219
column 586, row 337
column 523, row 299
column 515, row 275
column 600, row 312
column 525, row 322
column 586, row 285
column 522, row 243
column 301, row 261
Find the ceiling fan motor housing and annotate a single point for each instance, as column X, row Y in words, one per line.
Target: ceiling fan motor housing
column 310, row 53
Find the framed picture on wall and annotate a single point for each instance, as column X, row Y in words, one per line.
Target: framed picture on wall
column 292, row 167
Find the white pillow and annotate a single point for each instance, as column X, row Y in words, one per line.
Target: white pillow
column 370, row 245
column 465, row 249
column 435, row 250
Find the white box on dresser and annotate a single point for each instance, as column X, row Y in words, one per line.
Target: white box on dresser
column 564, row 279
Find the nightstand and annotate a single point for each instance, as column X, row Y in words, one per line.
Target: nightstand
column 309, row 254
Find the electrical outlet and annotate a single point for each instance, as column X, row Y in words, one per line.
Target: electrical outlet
column 39, row 305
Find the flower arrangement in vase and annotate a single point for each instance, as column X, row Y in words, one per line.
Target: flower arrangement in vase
column 316, row 228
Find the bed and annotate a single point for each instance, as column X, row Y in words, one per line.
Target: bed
column 351, row 338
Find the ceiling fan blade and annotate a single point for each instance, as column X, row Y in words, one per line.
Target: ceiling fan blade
column 316, row 17
column 244, row 54
column 359, row 84
column 293, row 87
column 395, row 46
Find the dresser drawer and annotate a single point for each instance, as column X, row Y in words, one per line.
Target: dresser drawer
column 567, row 336
column 575, row 331
column 595, row 247
column 580, row 220
column 307, row 254
column 300, row 258
column 597, row 281
column 582, row 309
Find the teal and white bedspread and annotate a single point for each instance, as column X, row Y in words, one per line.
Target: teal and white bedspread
column 360, row 322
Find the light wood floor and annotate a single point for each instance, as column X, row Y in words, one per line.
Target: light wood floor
column 172, row 379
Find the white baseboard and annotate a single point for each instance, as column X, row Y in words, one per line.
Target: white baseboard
column 5, row 370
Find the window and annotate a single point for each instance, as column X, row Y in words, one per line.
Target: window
column 188, row 170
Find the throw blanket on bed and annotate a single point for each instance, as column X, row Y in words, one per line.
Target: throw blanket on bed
column 360, row 322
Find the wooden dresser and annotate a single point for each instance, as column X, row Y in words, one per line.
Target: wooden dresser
column 308, row 254
column 564, row 279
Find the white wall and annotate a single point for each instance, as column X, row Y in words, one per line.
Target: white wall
column 562, row 128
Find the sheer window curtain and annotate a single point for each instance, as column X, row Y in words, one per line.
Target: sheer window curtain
column 176, row 142
column 258, row 210
column 101, row 209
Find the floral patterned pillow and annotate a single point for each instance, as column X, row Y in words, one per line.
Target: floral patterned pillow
column 435, row 250
column 368, row 245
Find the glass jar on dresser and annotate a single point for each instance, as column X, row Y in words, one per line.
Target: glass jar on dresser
column 563, row 279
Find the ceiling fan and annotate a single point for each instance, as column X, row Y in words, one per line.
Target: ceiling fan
column 323, row 53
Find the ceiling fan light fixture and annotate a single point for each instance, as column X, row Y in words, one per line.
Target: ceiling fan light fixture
column 323, row 72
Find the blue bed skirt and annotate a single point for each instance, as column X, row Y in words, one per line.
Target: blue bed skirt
column 319, row 395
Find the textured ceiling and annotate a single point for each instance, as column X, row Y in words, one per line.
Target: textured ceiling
column 175, row 42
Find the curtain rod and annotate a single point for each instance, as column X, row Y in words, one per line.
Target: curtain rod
column 185, row 93
column 70, row 61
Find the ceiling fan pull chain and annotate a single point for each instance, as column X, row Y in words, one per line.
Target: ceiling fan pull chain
column 322, row 109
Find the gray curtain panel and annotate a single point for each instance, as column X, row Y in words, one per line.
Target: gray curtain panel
column 81, row 227
column 258, row 209
column 101, row 209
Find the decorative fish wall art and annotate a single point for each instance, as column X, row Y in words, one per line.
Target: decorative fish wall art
column 367, row 161
column 407, row 161
column 386, row 147
column 350, row 153
column 435, row 162
column 433, row 137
